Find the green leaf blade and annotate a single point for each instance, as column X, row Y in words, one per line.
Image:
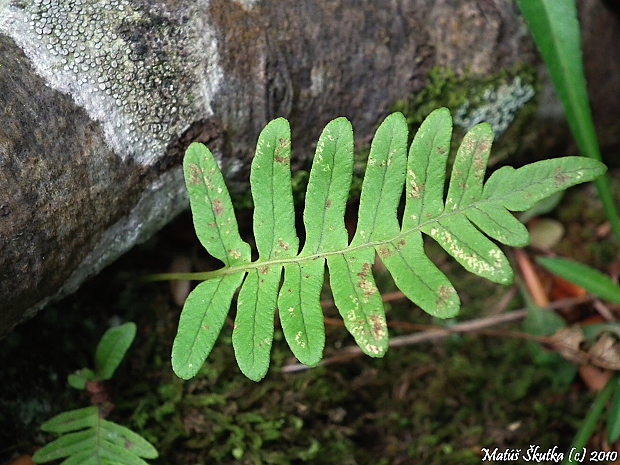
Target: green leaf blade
column 328, row 189
column 66, row 446
column 426, row 169
column 498, row 223
column 555, row 28
column 212, row 210
column 301, row 314
column 383, row 182
column 127, row 440
column 418, row 278
column 591, row 280
column 112, row 349
column 520, row 189
column 469, row 168
column 358, row 300
column 270, row 178
column 72, row 420
column 470, row 248
column 201, row 321
column 253, row 331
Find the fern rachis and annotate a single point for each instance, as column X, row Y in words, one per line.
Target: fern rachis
column 472, row 209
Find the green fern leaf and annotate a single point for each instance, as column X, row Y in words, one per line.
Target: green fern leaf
column 472, row 211
column 92, row 440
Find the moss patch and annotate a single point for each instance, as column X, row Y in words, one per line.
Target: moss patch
column 506, row 100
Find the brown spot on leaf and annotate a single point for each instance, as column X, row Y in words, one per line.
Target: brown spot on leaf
column 194, row 174
column 560, row 178
column 440, row 151
column 445, row 293
column 365, row 284
column 282, row 160
column 401, row 244
column 218, row 207
column 328, row 203
column 378, row 326
column 264, row 270
column 384, row 252
column 283, row 245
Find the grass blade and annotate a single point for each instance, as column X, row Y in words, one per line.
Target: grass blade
column 555, row 28
column 591, row 280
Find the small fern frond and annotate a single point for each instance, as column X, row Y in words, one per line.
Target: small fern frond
column 91, row 440
column 472, row 211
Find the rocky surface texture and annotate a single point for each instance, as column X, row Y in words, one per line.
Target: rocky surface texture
column 99, row 98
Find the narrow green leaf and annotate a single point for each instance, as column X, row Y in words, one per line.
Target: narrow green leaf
column 426, row 169
column 470, row 248
column 72, row 420
column 201, row 321
column 270, row 178
column 66, row 445
column 383, row 182
column 497, row 222
column 469, row 167
column 127, row 440
column 418, row 278
column 112, row 349
column 613, row 420
column 328, row 190
column 301, row 314
column 520, row 189
column 555, row 28
column 358, row 300
column 212, row 210
column 253, row 332
column 85, row 457
column 591, row 280
column 116, row 454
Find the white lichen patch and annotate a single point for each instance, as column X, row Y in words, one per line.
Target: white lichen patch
column 500, row 109
column 145, row 75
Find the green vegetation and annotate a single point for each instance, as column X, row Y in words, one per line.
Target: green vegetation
column 471, row 210
column 86, row 436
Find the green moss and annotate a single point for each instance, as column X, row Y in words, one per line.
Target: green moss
column 506, row 100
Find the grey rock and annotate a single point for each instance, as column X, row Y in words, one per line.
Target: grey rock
column 101, row 97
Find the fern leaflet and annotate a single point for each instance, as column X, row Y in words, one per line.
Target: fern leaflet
column 472, row 210
column 93, row 440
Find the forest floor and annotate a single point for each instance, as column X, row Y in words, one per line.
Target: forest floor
column 439, row 402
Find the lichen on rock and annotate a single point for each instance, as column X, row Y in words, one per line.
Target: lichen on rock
column 145, row 74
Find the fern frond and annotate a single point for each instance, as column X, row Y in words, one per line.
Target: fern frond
column 472, row 211
column 91, row 440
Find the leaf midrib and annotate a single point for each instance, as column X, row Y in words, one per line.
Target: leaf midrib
column 201, row 276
